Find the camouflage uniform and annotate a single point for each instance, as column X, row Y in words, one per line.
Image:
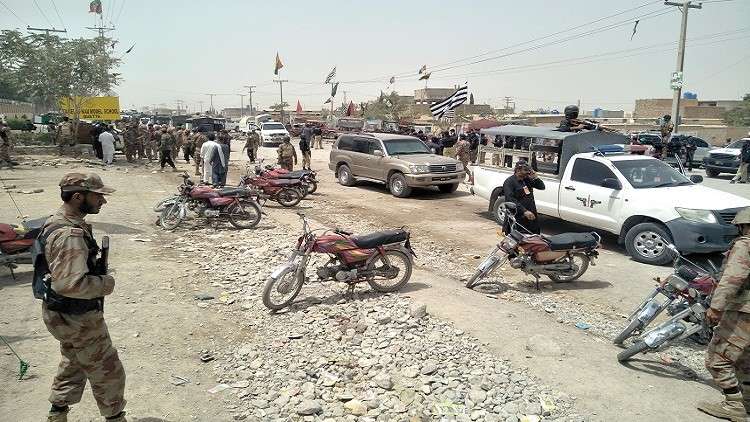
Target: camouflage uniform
column 287, row 156
column 64, row 136
column 198, row 141
column 187, row 145
column 85, row 345
column 5, row 145
column 141, row 141
column 463, row 154
column 130, row 137
column 252, row 144
column 728, row 354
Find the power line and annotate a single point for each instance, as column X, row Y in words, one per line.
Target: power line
column 58, row 14
column 43, row 15
column 122, row 5
column 13, row 13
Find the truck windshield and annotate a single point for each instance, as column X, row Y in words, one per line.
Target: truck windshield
column 405, row 146
column 273, row 126
column 643, row 174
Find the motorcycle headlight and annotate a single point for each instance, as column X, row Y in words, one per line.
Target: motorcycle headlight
column 698, row 216
column 459, row 167
column 419, row 168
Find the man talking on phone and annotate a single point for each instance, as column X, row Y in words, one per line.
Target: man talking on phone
column 519, row 189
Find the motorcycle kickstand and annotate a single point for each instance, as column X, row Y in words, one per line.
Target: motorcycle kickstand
column 350, row 291
column 537, row 282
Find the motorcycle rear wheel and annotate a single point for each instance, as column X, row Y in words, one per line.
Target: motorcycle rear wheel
column 171, row 216
column 392, row 258
column 288, row 284
column 635, row 325
column 634, row 349
column 244, row 215
column 582, row 267
column 288, row 197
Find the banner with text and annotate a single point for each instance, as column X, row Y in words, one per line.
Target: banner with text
column 91, row 108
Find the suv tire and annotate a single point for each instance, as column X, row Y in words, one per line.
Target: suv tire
column 647, row 243
column 448, row 188
column 398, row 186
column 497, row 212
column 344, row 176
column 712, row 172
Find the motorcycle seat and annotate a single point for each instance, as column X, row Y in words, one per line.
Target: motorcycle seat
column 385, row 237
column 283, row 182
column 232, row 191
column 566, row 241
column 287, row 176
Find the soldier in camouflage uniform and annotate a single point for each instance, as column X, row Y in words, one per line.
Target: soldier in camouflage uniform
column 728, row 354
column 5, row 146
column 463, row 154
column 141, row 141
column 64, row 135
column 166, row 146
column 287, row 155
column 72, row 310
column 130, row 137
column 251, row 145
column 187, row 145
column 198, row 141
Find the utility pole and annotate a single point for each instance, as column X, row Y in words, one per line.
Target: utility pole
column 101, row 28
column 201, row 104
column 509, row 100
column 178, row 103
column 211, row 108
column 46, row 30
column 250, row 94
column 242, row 105
column 677, row 79
column 281, row 95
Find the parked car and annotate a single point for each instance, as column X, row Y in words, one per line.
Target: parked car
column 724, row 160
column 401, row 162
column 643, row 200
column 273, row 133
column 702, row 147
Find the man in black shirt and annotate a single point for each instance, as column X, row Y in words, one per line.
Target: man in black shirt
column 519, row 189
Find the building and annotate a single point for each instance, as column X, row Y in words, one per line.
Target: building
column 432, row 95
column 236, row 112
column 654, row 108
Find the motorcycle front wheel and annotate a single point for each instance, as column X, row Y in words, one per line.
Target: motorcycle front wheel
column 279, row 292
column 159, row 206
column 311, row 187
column 171, row 216
column 288, row 197
column 392, row 261
column 634, row 349
column 578, row 259
column 244, row 215
column 479, row 274
column 635, row 325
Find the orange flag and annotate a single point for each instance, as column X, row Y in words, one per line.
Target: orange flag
column 279, row 65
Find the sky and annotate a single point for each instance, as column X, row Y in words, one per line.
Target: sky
column 542, row 53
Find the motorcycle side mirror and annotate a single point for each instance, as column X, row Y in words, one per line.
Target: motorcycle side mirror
column 696, row 178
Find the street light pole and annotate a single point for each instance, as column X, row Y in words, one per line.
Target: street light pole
column 684, row 7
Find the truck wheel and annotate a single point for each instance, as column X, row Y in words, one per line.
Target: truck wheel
column 344, row 174
column 497, row 212
column 647, row 243
column 397, row 185
column 712, row 172
column 448, row 188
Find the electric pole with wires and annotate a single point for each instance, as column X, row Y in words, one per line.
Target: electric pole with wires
column 677, row 76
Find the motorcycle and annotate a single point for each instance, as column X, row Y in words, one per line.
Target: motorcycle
column 563, row 258
column 16, row 241
column 686, row 296
column 235, row 204
column 308, row 178
column 382, row 259
column 287, row 192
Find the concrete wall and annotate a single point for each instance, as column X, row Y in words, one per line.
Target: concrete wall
column 16, row 109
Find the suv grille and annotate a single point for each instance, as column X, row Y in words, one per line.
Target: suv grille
column 726, row 216
column 723, row 156
column 442, row 168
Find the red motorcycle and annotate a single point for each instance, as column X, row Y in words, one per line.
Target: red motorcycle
column 16, row 241
column 287, row 192
column 382, row 259
column 308, row 178
column 235, row 204
column 563, row 257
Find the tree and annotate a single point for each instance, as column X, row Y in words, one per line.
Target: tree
column 471, row 98
column 279, row 106
column 388, row 107
column 740, row 115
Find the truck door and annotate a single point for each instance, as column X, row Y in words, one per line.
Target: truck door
column 584, row 200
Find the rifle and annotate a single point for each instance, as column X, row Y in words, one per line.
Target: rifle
column 592, row 125
column 102, row 264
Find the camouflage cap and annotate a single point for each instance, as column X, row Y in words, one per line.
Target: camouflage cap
column 742, row 217
column 79, row 182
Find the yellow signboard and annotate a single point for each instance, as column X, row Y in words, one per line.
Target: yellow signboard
column 92, row 108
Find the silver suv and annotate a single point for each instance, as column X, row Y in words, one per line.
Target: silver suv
column 401, row 162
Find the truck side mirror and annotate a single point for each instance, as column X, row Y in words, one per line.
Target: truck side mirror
column 611, row 183
column 377, row 153
column 696, row 178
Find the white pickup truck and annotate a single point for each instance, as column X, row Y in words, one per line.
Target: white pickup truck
column 644, row 201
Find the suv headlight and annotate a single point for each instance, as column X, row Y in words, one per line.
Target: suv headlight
column 459, row 166
column 698, row 216
column 419, row 168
